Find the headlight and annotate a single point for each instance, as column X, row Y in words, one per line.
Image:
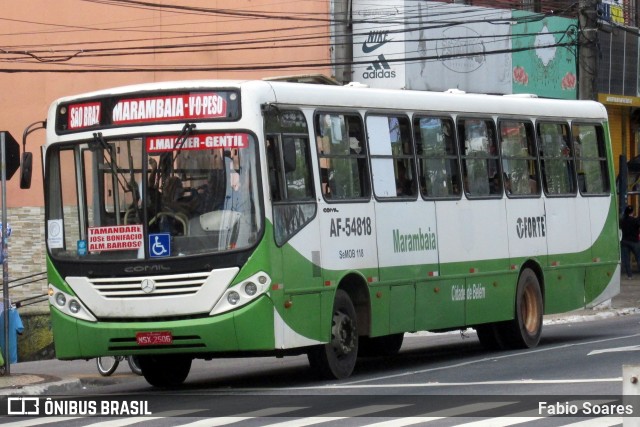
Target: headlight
column 74, row 306
column 242, row 293
column 61, row 300
column 233, row 297
column 69, row 304
column 250, row 288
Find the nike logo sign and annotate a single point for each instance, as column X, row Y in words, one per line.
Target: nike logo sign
column 378, row 38
column 368, row 49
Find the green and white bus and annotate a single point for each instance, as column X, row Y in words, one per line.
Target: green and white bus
column 205, row 219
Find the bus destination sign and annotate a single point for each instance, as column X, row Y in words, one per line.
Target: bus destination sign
column 174, row 107
column 157, row 144
column 147, row 110
column 84, row 115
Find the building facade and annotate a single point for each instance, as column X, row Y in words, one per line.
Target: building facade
column 54, row 49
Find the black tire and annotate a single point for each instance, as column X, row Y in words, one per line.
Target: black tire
column 525, row 329
column 337, row 359
column 134, row 365
column 388, row 345
column 107, row 365
column 165, row 370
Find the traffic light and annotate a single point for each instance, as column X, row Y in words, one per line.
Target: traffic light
column 12, row 154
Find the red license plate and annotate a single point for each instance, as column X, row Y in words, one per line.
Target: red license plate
column 154, row 338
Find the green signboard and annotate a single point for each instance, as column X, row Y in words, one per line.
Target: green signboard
column 544, row 57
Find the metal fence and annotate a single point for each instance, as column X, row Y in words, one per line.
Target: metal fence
column 24, row 301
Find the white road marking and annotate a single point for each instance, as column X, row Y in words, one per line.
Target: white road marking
column 37, row 421
column 615, row 350
column 334, row 416
column 121, row 422
column 438, row 415
column 222, row 421
column 597, row 422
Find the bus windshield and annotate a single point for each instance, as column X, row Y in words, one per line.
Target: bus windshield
column 152, row 196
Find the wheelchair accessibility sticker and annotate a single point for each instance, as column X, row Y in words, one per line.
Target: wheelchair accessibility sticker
column 159, row 245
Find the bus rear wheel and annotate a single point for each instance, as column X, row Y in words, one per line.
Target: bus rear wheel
column 337, row 359
column 165, row 370
column 525, row 329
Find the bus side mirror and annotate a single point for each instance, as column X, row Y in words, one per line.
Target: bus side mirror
column 26, row 170
column 27, row 158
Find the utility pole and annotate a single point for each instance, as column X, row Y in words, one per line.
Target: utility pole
column 587, row 49
column 342, row 51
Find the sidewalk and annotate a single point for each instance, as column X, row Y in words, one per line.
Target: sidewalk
column 57, row 376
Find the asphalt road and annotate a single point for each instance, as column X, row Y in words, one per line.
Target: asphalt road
column 446, row 379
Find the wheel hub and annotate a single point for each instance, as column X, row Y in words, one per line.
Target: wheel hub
column 343, row 334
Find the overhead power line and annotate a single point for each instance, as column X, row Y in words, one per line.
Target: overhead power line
column 287, row 66
column 67, row 55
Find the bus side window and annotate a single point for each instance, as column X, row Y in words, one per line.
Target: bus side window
column 275, row 181
column 439, row 172
column 556, row 159
column 479, row 153
column 519, row 164
column 591, row 158
column 342, row 156
column 391, row 151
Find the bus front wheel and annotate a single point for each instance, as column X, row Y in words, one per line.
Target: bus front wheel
column 336, row 359
column 525, row 329
column 165, row 370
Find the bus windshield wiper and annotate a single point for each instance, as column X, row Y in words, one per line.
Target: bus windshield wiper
column 99, row 142
column 182, row 138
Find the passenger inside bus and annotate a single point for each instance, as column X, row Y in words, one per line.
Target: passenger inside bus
column 404, row 185
column 176, row 208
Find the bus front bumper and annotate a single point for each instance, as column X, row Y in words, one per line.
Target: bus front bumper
column 249, row 328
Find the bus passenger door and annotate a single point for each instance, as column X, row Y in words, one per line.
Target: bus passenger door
column 295, row 255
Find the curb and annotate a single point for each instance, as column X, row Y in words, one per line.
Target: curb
column 594, row 314
column 49, row 385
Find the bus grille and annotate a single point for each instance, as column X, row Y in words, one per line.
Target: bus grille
column 130, row 287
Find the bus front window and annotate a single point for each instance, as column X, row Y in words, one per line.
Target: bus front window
column 153, row 197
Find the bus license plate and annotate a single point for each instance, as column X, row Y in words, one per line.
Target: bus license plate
column 154, row 338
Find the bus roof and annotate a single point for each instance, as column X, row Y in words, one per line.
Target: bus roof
column 445, row 102
column 331, row 96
